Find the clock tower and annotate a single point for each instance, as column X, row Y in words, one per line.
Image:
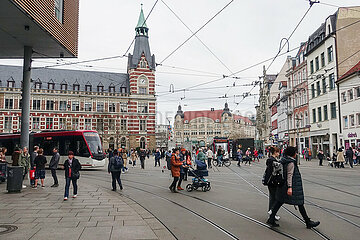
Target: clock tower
column 141, row 70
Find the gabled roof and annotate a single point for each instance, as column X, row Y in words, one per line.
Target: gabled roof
column 352, row 71
column 214, row 115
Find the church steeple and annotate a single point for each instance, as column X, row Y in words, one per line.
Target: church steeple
column 141, row 45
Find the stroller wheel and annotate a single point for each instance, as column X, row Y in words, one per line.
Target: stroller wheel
column 189, row 187
column 204, row 188
column 208, row 187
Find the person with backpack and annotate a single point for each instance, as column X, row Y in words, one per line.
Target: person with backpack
column 175, row 169
column 72, row 168
column 269, row 178
column 115, row 166
column 157, row 157
column 291, row 192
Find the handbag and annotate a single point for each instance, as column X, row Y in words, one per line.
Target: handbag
column 76, row 175
column 32, row 174
column 130, row 162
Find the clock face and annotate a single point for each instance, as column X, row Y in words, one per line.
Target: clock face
column 143, row 81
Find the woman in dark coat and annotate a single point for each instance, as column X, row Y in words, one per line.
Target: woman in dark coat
column 72, row 167
column 292, row 190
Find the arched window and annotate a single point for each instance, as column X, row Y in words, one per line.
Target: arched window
column 306, row 118
column 142, row 63
column 123, row 142
column 111, row 143
column 142, row 143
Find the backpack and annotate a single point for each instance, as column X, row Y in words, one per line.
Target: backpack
column 275, row 177
column 119, row 162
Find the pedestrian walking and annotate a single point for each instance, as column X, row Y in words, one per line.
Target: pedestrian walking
column 15, row 157
column 320, row 156
column 175, row 169
column 53, row 165
column 291, row 192
column 220, row 156
column 124, row 157
column 307, row 154
column 40, row 162
column 350, row 156
column 256, row 155
column 115, row 165
column 25, row 162
column 182, row 156
column 357, row 153
column 157, row 157
column 133, row 157
column 239, row 154
column 272, row 186
column 248, row 156
column 210, row 157
column 33, row 155
column 72, row 167
column 142, row 156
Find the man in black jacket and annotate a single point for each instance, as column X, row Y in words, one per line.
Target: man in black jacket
column 32, row 165
column 349, row 154
column 115, row 165
column 53, row 165
column 72, row 167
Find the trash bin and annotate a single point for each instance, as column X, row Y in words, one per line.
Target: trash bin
column 3, row 170
column 14, row 179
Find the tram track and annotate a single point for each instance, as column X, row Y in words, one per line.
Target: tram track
column 222, row 229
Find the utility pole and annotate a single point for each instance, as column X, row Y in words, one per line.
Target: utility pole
column 298, row 138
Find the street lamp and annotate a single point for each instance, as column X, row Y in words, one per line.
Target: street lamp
column 298, row 138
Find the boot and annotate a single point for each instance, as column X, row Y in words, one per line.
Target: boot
column 272, row 223
column 311, row 224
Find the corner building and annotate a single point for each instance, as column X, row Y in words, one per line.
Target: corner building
column 120, row 106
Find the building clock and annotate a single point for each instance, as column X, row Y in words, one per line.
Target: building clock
column 142, row 81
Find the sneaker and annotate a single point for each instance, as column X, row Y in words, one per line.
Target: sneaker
column 23, row 186
column 65, row 198
column 180, row 188
column 113, row 190
column 277, row 218
column 121, row 187
column 75, row 196
column 34, row 187
column 42, row 186
column 55, row 185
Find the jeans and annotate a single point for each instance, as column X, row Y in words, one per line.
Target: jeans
column 142, row 163
column 351, row 161
column 53, row 173
column 272, row 193
column 157, row 161
column 181, row 178
column 209, row 162
column 173, row 185
column 67, row 186
column 116, row 178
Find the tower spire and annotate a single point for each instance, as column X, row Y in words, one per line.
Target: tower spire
column 141, row 27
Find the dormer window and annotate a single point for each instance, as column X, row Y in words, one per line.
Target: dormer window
column 122, row 89
column 88, row 87
column 51, row 85
column 100, row 87
column 11, row 83
column 38, row 84
column 142, row 63
column 111, row 88
column 76, row 87
column 63, row 86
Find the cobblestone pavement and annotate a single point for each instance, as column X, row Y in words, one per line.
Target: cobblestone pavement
column 97, row 213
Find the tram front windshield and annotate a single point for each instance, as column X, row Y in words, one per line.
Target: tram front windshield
column 94, row 143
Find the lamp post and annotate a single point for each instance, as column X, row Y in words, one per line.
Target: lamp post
column 298, row 138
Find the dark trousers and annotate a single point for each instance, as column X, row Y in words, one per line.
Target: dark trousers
column 351, row 161
column 116, row 178
column 157, row 161
column 67, row 186
column 173, row 185
column 320, row 161
column 181, row 178
column 142, row 163
column 272, row 193
column 278, row 205
column 209, row 162
column 239, row 161
column 53, row 173
column 25, row 172
column 185, row 174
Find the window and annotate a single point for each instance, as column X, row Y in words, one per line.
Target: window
column 100, row 107
column 123, row 125
column 314, row 115
column 352, row 120
column 75, row 106
column 357, row 92
column 324, row 85
column 122, row 89
column 123, row 107
column 88, row 88
column 326, row 117
column 358, row 119
column 49, row 105
column 9, row 103
column 112, row 124
column 63, row 86
column 312, row 90
column 88, row 106
column 330, row 54
column 306, row 118
column 100, row 124
column 59, row 4
column 322, row 59
column 317, row 66
column 142, row 125
column 343, row 97
column 49, row 123
column 36, row 105
column 142, row 63
column 318, row 89
column 100, row 87
column 11, row 83
column 351, row 94
column 311, row 66
column 62, row 123
column 75, row 123
column 112, row 107
column 142, row 90
column 51, row 85
column 332, row 81
column 8, row 123
column 20, row 104
column 76, row 87
column 142, row 107
column 35, row 123
column 333, row 110
column 63, row 106
column 38, row 85
column 346, row 122
column 112, row 89
column 87, row 124
column 142, row 143
column 319, row 114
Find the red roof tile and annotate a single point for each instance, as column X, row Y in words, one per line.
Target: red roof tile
column 190, row 115
column 354, row 69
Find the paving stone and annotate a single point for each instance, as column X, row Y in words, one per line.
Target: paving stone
column 111, row 223
column 64, row 214
column 57, row 233
column 164, row 234
column 134, row 223
column 80, row 219
column 93, row 214
column 96, row 233
column 100, row 219
column 87, row 224
column 46, row 220
column 130, row 217
column 133, row 232
column 69, row 224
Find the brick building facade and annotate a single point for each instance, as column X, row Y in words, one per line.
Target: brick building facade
column 120, row 106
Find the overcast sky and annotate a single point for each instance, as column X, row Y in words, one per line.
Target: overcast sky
column 245, row 33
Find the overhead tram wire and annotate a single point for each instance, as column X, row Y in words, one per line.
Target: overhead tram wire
column 182, row 44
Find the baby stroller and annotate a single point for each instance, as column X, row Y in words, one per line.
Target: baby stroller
column 198, row 180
